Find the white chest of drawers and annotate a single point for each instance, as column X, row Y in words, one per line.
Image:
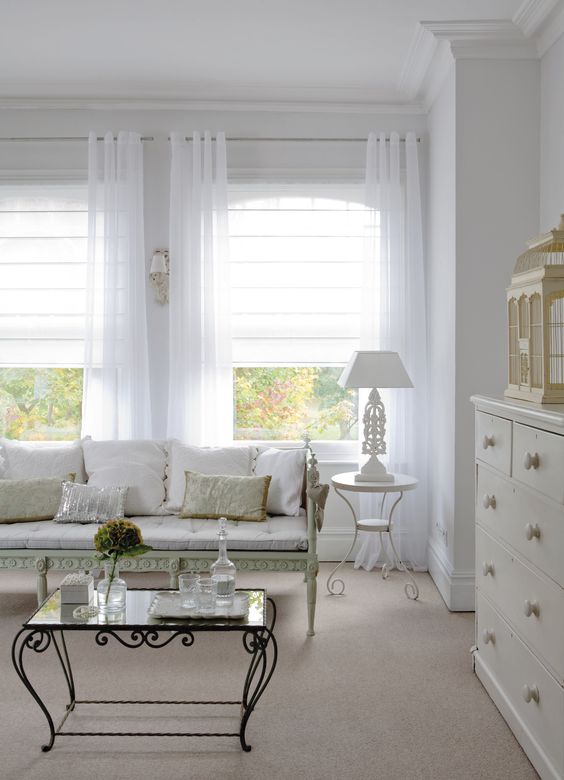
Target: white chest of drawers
column 519, row 655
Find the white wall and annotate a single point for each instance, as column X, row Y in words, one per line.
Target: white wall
column 280, row 159
column 441, row 281
column 490, row 204
column 552, row 137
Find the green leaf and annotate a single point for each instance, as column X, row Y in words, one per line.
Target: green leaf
column 139, row 549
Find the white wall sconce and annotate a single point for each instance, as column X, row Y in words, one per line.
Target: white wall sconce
column 159, row 274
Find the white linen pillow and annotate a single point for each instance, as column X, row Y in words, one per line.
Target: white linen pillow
column 286, row 467
column 87, row 504
column 139, row 464
column 37, row 460
column 226, row 461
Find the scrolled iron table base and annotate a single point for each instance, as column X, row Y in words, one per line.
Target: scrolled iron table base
column 259, row 643
column 346, row 482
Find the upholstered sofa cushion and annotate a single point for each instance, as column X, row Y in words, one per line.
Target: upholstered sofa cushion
column 232, row 461
column 167, row 532
column 286, row 467
column 138, row 465
column 35, row 460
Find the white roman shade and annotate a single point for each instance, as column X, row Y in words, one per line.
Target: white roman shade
column 296, row 266
column 43, row 248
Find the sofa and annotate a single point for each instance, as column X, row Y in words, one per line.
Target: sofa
column 154, row 473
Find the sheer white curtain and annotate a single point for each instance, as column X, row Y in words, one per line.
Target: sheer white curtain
column 116, row 400
column 393, row 318
column 200, row 406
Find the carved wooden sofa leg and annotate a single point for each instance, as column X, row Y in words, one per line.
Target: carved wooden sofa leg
column 41, row 568
column 174, row 568
column 311, row 579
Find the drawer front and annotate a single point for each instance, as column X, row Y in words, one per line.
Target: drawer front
column 538, row 460
column 533, row 605
column 514, row 667
column 493, row 441
column 534, row 527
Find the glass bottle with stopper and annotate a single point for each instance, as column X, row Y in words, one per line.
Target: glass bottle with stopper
column 223, row 570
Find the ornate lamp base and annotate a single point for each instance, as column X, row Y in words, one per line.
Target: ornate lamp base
column 374, row 420
column 373, row 471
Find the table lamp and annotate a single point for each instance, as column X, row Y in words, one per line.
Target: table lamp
column 371, row 368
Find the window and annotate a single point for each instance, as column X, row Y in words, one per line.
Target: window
column 43, row 246
column 296, row 264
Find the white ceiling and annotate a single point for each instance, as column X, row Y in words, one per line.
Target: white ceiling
column 352, row 50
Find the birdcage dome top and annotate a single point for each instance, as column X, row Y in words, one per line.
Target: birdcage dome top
column 547, row 249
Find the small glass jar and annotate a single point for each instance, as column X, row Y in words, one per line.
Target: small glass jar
column 112, row 590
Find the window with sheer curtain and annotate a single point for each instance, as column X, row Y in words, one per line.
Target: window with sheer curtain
column 43, row 249
column 296, row 257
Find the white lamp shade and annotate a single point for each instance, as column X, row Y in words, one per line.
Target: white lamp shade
column 371, row 368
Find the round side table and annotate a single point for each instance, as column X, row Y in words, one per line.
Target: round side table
column 346, row 483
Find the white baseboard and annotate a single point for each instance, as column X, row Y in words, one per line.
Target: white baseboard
column 534, row 751
column 333, row 543
column 457, row 588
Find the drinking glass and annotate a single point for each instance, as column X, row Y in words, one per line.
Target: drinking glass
column 189, row 588
column 207, row 596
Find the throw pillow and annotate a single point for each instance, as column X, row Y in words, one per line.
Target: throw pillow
column 230, row 461
column 34, row 460
column 23, row 500
column 87, row 504
column 235, row 498
column 287, row 470
column 138, row 464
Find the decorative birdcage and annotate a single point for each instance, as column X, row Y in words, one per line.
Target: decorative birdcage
column 535, row 317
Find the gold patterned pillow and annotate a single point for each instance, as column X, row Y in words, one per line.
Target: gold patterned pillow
column 235, row 498
column 24, row 500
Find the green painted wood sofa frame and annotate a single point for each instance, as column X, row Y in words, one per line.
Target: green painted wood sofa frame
column 178, row 561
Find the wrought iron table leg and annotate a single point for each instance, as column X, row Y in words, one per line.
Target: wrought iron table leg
column 331, row 581
column 257, row 644
column 411, row 588
column 67, row 669
column 38, row 641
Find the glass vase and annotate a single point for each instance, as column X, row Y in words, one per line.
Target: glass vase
column 112, row 589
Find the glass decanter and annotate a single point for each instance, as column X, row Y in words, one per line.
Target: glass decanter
column 223, row 570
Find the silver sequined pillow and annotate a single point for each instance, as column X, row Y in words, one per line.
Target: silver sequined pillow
column 88, row 504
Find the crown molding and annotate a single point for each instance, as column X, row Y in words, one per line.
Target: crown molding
column 437, row 43
column 483, row 39
column 552, row 29
column 417, row 62
column 531, row 15
column 402, row 107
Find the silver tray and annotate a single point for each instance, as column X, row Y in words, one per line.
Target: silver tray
column 168, row 604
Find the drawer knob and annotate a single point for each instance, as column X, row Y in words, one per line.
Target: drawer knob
column 488, row 501
column 531, row 461
column 531, row 608
column 488, row 636
column 487, row 568
column 532, row 531
column 530, row 693
column 488, row 441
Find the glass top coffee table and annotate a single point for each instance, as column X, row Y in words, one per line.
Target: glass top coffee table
column 134, row 628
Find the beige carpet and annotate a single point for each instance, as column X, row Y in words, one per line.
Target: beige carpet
column 384, row 690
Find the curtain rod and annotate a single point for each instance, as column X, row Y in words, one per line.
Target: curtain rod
column 298, row 139
column 63, row 138
column 40, row 139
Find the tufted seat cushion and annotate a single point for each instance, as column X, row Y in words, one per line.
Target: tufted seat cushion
column 168, row 532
